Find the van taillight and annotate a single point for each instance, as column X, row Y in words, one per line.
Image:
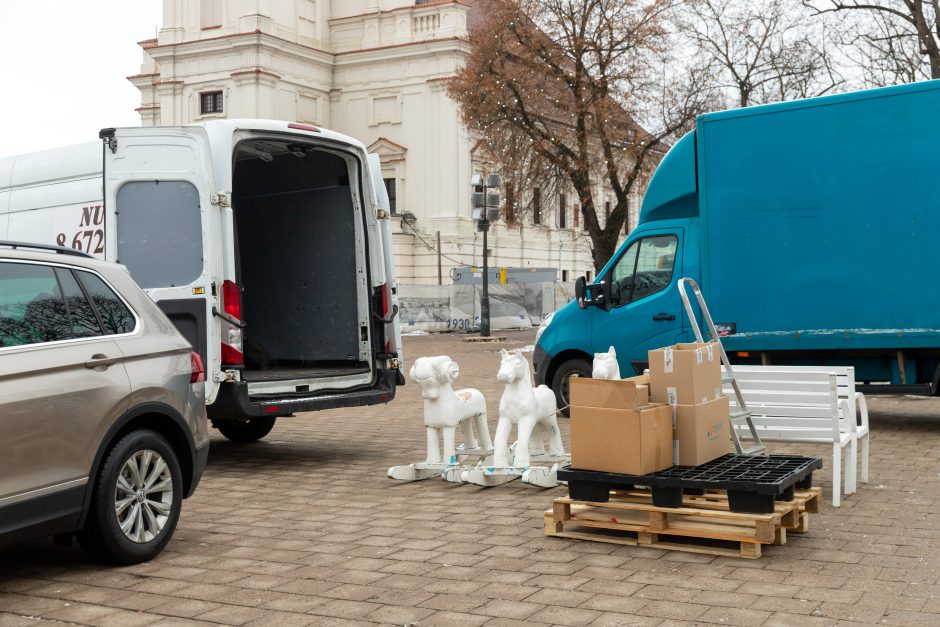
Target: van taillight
column 232, row 299
column 232, row 348
column 197, row 370
column 386, row 311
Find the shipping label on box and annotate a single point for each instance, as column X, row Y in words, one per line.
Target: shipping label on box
column 703, row 431
column 625, row 441
column 617, row 394
column 685, row 374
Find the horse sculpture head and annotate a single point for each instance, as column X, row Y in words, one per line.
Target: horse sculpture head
column 434, row 373
column 514, row 366
column 606, row 366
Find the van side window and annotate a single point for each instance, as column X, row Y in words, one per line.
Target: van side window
column 645, row 268
column 32, row 309
column 82, row 315
column 114, row 314
column 160, row 220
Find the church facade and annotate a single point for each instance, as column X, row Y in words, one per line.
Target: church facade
column 375, row 70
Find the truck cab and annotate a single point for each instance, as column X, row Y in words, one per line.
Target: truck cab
column 634, row 304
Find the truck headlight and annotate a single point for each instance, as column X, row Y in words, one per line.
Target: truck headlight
column 547, row 321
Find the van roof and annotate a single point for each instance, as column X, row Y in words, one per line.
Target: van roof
column 279, row 126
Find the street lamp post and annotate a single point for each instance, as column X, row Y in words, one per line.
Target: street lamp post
column 485, row 209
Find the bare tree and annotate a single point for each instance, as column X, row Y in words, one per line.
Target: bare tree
column 557, row 87
column 897, row 41
column 761, row 50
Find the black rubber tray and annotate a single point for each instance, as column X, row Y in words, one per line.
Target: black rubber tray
column 752, row 483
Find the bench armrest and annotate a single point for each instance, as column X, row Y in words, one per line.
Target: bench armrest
column 862, row 408
column 845, row 411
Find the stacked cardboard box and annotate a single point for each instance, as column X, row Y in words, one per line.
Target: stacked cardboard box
column 614, row 427
column 688, row 376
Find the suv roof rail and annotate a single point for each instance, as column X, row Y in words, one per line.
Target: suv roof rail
column 62, row 250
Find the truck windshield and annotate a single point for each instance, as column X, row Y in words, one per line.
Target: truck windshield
column 644, row 269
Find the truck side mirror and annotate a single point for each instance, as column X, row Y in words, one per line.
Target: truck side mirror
column 580, row 291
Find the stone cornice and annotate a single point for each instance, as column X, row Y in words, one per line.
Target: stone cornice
column 407, row 7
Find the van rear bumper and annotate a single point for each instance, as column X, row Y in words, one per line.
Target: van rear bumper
column 233, row 401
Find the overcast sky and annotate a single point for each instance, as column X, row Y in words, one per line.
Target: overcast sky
column 63, row 65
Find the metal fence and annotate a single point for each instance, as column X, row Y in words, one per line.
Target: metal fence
column 457, row 307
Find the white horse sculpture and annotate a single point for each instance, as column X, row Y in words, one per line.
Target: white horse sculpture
column 606, row 366
column 531, row 409
column 444, row 411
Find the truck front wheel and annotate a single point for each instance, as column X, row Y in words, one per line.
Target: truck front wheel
column 577, row 367
column 245, row 431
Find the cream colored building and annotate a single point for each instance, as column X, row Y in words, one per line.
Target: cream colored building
column 375, row 70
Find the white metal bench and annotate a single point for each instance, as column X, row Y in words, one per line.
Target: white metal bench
column 809, row 404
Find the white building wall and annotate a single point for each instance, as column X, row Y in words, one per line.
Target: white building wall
column 373, row 69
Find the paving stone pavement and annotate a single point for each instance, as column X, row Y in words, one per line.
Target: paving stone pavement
column 304, row 528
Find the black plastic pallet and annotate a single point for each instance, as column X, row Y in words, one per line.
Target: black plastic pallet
column 752, row 483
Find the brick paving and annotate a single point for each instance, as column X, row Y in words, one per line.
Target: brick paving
column 304, row 528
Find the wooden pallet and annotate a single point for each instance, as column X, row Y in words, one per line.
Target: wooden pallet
column 703, row 524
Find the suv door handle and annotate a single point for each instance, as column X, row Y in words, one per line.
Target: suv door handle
column 99, row 360
column 663, row 317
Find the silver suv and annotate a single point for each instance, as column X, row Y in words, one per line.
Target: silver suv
column 102, row 410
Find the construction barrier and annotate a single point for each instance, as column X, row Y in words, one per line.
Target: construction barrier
column 439, row 308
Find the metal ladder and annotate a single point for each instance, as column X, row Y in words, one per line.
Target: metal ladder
column 742, row 414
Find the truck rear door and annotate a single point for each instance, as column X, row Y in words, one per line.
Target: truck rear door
column 158, row 187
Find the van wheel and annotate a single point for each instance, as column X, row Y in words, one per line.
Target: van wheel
column 136, row 500
column 572, row 368
column 245, row 431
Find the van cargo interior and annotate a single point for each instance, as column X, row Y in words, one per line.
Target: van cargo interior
column 296, row 260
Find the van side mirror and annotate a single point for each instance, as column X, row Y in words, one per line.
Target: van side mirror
column 596, row 294
column 580, row 291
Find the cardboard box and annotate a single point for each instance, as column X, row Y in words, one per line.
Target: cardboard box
column 703, row 431
column 626, row 441
column 685, row 374
column 625, row 394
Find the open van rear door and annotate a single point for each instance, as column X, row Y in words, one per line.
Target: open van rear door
column 159, row 195
column 393, row 328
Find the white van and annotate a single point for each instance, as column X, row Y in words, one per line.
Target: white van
column 267, row 243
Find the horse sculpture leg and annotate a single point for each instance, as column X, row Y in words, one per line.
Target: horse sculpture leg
column 483, row 430
column 555, row 444
column 466, row 431
column 524, row 432
column 450, row 452
column 434, row 453
column 536, row 440
column 501, row 444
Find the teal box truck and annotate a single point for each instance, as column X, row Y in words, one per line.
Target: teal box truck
column 813, row 229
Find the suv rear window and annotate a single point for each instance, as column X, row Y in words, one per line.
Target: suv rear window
column 32, row 309
column 115, row 316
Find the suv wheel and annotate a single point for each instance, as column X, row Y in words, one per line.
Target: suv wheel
column 245, row 431
column 136, row 501
column 572, row 368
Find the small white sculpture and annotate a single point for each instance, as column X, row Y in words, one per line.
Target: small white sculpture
column 528, row 408
column 606, row 366
column 444, row 410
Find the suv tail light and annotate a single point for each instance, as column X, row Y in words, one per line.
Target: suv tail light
column 232, row 347
column 197, row 370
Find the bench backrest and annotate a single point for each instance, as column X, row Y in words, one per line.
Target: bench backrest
column 845, row 377
column 790, row 405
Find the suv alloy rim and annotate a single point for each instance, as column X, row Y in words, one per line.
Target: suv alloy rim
column 143, row 496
